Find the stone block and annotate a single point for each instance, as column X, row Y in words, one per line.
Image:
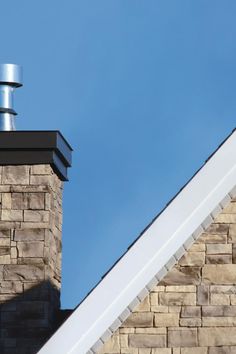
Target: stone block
column 218, row 248
column 217, row 336
column 215, row 311
column 154, row 299
column 177, row 299
column 219, row 259
column 219, row 274
column 151, row 330
column 19, row 201
column 193, row 259
column 222, row 350
column 182, row 276
column 203, row 295
column 12, row 215
column 211, row 238
column 30, row 249
column 190, row 322
column 36, row 234
column 218, row 321
column 199, row 350
column 182, row 337
column 139, row 319
column 226, row 218
column 5, row 259
column 220, row 299
column 36, row 200
column 4, row 251
column 36, row 215
column 112, row 345
column 161, row 351
column 23, row 272
column 6, row 200
column 41, row 170
column 144, row 306
column 198, row 247
column 15, row 175
column 181, row 288
column 147, row 341
column 234, row 253
column 160, row 309
column 223, row 289
column 166, row 320
column 232, row 234
column 191, row 311
column 218, row 228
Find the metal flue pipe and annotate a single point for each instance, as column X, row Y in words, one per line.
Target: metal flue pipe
column 10, row 79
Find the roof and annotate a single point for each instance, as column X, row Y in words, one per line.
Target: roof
column 155, row 252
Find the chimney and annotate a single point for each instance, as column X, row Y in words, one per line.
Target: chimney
column 33, row 167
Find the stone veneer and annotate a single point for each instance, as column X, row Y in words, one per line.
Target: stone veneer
column 193, row 309
column 30, row 256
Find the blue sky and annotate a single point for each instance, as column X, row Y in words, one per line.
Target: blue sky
column 144, row 91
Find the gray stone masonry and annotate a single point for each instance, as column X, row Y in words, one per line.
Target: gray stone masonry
column 30, row 256
column 193, row 309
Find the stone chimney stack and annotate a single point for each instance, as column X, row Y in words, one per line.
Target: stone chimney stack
column 33, row 166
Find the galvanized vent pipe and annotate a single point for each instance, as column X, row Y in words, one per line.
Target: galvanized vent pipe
column 10, row 79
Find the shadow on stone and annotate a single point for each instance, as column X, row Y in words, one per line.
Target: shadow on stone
column 29, row 319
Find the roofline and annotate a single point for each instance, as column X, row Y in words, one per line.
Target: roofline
column 106, row 306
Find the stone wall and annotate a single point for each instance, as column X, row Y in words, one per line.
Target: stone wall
column 193, row 310
column 30, row 256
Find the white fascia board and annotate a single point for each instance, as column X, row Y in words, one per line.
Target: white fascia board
column 148, row 255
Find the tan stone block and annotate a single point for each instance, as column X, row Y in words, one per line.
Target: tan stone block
column 219, row 274
column 161, row 351
column 158, row 288
column 129, row 351
column 144, row 351
column 41, row 180
column 191, row 311
column 211, row 238
column 190, row 322
column 215, row 228
column 112, row 345
column 154, row 299
column 36, row 215
column 23, row 272
column 151, row 330
column 218, row 321
column 219, row 259
column 19, row 201
column 176, row 351
column 147, row 341
column 41, row 170
column 160, row 309
column 194, row 350
column 9, row 225
column 124, row 330
column 166, row 320
column 13, row 252
column 123, row 340
column 181, row 288
column 5, row 234
column 193, row 259
column 36, row 200
column 220, row 310
column 232, row 234
column 226, row 218
column 182, row 276
column 198, row 247
column 182, row 337
column 177, row 299
column 30, row 249
column 220, row 299
column 225, row 289
column 5, row 259
column 144, row 306
column 203, row 295
column 222, row 350
column 5, row 242
column 233, row 299
column 6, row 200
column 12, row 215
column 230, row 208
column 218, row 248
column 174, row 309
column 139, row 319
column 15, row 175
column 217, row 336
column 36, row 234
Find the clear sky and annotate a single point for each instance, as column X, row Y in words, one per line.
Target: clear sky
column 143, row 90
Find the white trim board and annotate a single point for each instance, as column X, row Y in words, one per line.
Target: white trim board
column 150, row 257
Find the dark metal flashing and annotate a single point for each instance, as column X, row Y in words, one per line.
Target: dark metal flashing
column 34, row 148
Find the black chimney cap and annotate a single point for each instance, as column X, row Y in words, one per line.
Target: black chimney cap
column 34, row 148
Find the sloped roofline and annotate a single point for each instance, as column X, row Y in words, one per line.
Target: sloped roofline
column 160, row 246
